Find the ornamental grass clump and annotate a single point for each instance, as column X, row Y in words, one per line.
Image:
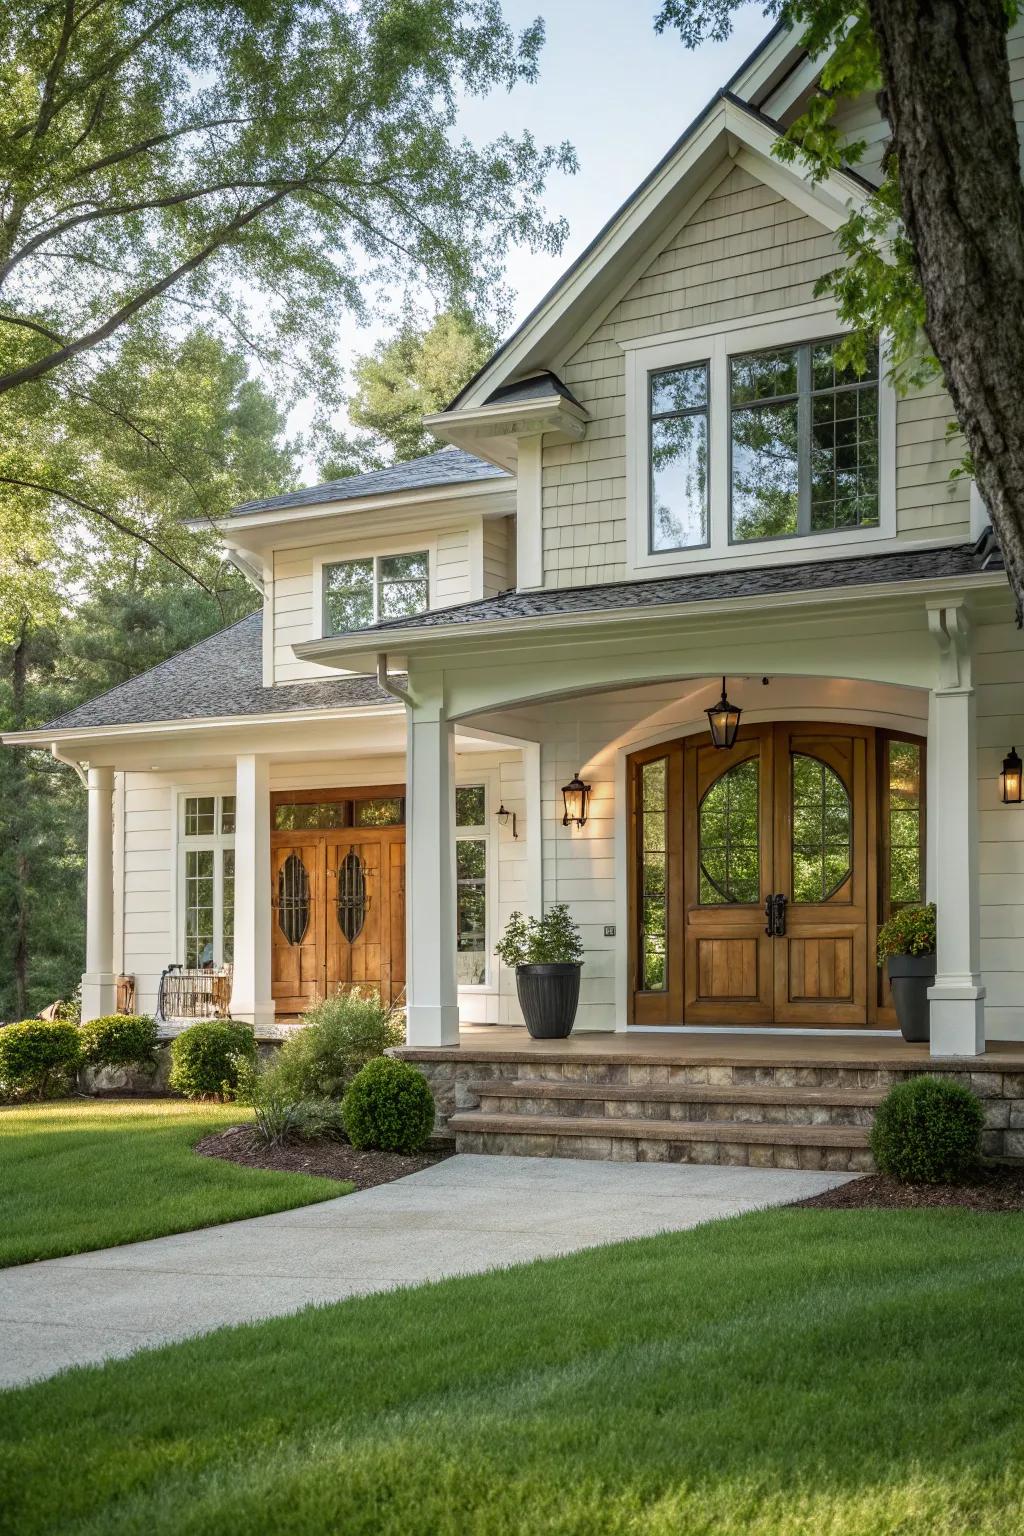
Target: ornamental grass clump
column 339, row 1035
column 121, row 1040
column 39, row 1059
column 389, row 1106
column 927, row 1130
column 205, row 1058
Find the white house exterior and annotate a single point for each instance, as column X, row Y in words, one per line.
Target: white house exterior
column 658, row 481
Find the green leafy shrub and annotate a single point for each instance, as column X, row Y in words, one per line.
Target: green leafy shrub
column 122, row 1040
column 389, row 1106
column 319, row 1120
column 910, row 931
column 205, row 1058
column 38, row 1058
column 550, row 940
column 339, row 1036
column 927, row 1131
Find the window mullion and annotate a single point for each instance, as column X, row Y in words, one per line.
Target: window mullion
column 803, row 434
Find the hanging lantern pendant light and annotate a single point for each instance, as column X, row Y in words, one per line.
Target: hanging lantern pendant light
column 724, row 721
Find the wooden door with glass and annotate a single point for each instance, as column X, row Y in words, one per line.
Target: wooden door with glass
column 760, row 874
column 337, row 894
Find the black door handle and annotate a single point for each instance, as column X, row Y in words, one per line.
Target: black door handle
column 769, row 914
column 775, row 913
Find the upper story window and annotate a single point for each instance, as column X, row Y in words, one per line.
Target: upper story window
column 679, row 458
column 803, row 443
column 361, row 592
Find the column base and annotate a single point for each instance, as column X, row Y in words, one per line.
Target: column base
column 99, row 995
column 957, row 1016
column 256, row 1014
column 432, row 1026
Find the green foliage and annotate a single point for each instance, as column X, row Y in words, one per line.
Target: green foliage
column 277, row 1117
column 122, row 1040
column 927, row 1130
column 910, row 931
column 38, row 1058
column 340, row 1035
column 418, row 371
column 205, row 1058
column 389, row 1106
column 552, row 939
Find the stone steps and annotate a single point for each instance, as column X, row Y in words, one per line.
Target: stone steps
column 677, row 1101
column 624, row 1138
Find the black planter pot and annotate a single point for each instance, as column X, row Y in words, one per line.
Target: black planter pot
column 548, row 996
column 910, row 976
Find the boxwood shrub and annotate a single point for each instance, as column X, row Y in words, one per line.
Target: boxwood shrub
column 121, row 1040
column 927, row 1130
column 388, row 1105
column 39, row 1058
column 205, row 1057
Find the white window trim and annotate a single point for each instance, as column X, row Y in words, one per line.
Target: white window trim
column 216, row 842
column 485, row 833
column 342, row 554
column 715, row 345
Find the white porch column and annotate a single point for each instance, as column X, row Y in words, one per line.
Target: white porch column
column 251, row 996
column 98, row 986
column 957, row 998
column 433, row 1006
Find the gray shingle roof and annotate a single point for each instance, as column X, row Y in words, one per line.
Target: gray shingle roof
column 705, row 586
column 222, row 675
column 449, row 466
column 539, row 386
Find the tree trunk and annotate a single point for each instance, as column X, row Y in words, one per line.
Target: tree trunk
column 19, row 673
column 947, row 87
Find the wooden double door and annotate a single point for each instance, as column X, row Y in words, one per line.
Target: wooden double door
column 755, row 879
column 338, row 914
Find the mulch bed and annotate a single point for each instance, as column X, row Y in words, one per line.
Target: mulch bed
column 996, row 1187
column 325, row 1159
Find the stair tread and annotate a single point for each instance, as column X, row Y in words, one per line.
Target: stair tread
column 676, row 1093
column 476, row 1121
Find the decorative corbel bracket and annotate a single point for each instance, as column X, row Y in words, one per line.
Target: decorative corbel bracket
column 950, row 628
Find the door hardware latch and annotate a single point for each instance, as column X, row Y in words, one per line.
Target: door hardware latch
column 775, row 915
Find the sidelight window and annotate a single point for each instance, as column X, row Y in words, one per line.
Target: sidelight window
column 206, row 881
column 471, row 874
column 653, row 862
column 903, row 817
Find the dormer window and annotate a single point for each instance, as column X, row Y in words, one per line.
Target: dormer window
column 361, row 592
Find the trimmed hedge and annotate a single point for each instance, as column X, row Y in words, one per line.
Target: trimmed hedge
column 927, row 1130
column 205, row 1057
column 39, row 1058
column 121, row 1040
column 389, row 1106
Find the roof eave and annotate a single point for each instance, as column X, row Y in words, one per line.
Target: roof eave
column 428, row 496
column 142, row 728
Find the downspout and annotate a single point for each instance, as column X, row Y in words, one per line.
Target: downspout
column 69, row 762
column 385, row 681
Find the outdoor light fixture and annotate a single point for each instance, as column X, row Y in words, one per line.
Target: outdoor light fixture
column 1010, row 779
column 504, row 817
column 724, row 720
column 576, row 799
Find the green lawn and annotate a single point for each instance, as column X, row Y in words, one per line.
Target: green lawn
column 828, row 1373
column 90, row 1173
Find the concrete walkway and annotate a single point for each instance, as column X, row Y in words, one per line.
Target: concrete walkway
column 464, row 1215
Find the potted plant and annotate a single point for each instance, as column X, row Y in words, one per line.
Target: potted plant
column 907, row 943
column 547, row 954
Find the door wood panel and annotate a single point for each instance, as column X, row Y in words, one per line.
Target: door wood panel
column 296, row 968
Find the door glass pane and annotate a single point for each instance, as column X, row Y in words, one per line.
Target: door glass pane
column 293, row 899
column 728, row 823
column 351, row 896
column 199, row 908
column 906, row 865
column 471, row 911
column 822, row 830
column 298, row 817
column 653, row 895
column 380, row 813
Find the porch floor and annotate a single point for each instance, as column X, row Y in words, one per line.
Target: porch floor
column 510, row 1043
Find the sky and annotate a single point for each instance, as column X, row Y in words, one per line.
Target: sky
column 619, row 93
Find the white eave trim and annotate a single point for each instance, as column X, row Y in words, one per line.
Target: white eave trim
column 426, row 496
column 43, row 738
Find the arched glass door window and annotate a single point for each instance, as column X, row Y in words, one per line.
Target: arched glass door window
column 822, row 830
column 728, row 833
column 293, row 899
column 351, row 896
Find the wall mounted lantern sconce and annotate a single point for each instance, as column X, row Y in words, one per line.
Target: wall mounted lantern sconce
column 576, row 799
column 504, row 817
column 724, row 721
column 1010, row 779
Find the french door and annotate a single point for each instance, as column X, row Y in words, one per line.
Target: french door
column 756, row 881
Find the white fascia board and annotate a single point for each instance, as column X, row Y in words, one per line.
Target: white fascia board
column 426, row 497
column 400, row 644
column 85, row 734
column 493, row 431
column 764, row 72
column 725, row 131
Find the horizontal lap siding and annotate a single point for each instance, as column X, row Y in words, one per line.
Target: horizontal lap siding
column 147, row 879
column 999, row 679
